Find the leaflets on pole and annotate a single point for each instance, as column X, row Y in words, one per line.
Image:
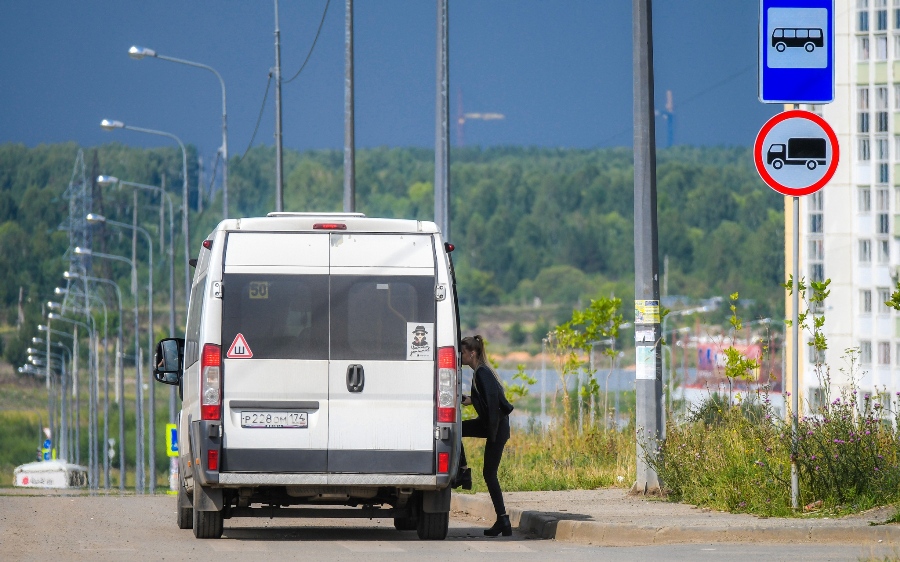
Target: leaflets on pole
column 171, row 440
column 796, row 153
column 796, row 51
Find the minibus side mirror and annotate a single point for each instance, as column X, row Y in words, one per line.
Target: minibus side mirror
column 169, row 360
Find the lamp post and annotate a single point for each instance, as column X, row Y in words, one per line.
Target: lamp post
column 100, row 219
column 62, row 393
column 91, row 358
column 108, row 125
column 64, row 439
column 139, row 394
column 119, row 386
column 138, row 53
column 94, row 391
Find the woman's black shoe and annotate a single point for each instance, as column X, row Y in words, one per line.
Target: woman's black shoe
column 464, row 479
column 502, row 526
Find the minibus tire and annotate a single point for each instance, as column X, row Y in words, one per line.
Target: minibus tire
column 433, row 526
column 185, row 514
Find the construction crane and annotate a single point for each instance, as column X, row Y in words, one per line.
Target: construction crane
column 462, row 117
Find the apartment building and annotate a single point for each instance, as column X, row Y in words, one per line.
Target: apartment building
column 848, row 230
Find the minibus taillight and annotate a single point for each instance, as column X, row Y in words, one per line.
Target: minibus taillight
column 446, row 387
column 212, row 459
column 329, row 226
column 211, row 382
column 443, row 463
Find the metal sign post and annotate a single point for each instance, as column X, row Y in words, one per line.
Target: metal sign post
column 796, row 153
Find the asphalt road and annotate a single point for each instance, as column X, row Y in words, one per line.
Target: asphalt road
column 80, row 527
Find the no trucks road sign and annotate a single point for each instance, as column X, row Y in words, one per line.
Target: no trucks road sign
column 796, row 153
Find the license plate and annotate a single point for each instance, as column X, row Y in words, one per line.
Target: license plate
column 274, row 419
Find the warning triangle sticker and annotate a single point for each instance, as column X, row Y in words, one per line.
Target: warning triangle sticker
column 239, row 349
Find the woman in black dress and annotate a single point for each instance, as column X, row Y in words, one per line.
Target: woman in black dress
column 492, row 424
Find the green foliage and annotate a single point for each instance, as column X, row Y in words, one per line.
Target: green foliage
column 737, row 457
column 516, row 334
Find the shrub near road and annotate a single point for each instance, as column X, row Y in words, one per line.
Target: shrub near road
column 735, row 455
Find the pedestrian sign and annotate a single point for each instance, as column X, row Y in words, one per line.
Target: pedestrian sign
column 796, row 51
column 796, row 153
column 171, row 440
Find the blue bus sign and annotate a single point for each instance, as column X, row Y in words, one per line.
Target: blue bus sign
column 796, row 51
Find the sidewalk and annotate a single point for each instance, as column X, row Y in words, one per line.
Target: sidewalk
column 614, row 518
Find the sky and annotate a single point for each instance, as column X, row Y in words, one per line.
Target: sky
column 559, row 71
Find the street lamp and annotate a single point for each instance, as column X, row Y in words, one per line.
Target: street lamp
column 139, row 393
column 108, row 125
column 120, row 390
column 66, row 412
column 91, row 364
column 67, row 359
column 139, row 53
column 94, row 218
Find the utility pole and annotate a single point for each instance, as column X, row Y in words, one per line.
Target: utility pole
column 442, row 125
column 349, row 129
column 647, row 332
column 279, row 165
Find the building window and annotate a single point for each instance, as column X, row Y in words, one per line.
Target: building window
column 864, row 196
column 883, row 204
column 897, row 147
column 884, row 353
column 884, row 251
column 881, row 49
column 881, row 15
column 884, row 173
column 882, row 104
column 897, row 354
column 884, row 295
column 862, row 106
column 862, row 18
column 865, row 297
column 865, row 251
column 817, row 250
column 862, row 49
column 815, row 223
column 865, row 352
column 817, row 201
column 864, row 150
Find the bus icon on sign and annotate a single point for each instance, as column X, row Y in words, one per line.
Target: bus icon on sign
column 807, row 37
column 798, row 151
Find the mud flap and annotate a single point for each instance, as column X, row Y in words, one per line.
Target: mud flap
column 207, row 499
column 436, row 501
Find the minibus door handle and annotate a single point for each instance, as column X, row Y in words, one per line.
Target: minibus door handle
column 356, row 378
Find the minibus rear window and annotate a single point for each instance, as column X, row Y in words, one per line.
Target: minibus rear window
column 279, row 316
column 372, row 315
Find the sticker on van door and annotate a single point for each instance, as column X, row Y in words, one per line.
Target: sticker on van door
column 239, row 349
column 418, row 344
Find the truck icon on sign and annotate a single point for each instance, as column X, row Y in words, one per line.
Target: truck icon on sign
column 807, row 37
column 798, row 151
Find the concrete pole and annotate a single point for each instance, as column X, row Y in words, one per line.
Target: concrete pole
column 442, row 125
column 349, row 125
column 279, row 164
column 648, row 384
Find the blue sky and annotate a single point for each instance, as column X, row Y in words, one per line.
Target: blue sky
column 560, row 71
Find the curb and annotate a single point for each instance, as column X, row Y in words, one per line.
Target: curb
column 549, row 526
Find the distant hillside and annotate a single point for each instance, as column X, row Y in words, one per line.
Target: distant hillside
column 553, row 224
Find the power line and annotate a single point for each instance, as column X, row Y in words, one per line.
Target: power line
column 313, row 46
column 258, row 119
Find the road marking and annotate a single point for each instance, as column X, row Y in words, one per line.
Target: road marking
column 238, row 546
column 370, row 546
column 497, row 546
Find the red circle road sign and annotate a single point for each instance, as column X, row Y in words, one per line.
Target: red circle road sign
column 796, row 152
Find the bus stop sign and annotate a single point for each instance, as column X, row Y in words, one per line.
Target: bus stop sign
column 796, row 153
column 796, row 51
